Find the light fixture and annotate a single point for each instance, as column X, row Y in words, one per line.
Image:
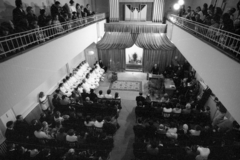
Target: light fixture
column 91, row 52
column 176, row 6
column 181, row 2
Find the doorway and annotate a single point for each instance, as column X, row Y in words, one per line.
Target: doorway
column 134, row 59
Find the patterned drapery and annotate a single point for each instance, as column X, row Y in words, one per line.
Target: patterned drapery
column 158, row 11
column 114, row 10
column 135, row 28
column 118, row 40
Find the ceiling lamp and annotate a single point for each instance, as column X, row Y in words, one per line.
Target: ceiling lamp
column 181, row 2
column 176, row 6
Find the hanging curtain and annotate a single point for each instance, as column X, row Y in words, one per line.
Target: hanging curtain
column 116, row 40
column 150, row 41
column 114, row 10
column 114, row 59
column 154, row 42
column 160, row 57
column 135, row 28
column 158, row 11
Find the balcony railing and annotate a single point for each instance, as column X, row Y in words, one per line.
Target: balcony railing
column 226, row 41
column 18, row 42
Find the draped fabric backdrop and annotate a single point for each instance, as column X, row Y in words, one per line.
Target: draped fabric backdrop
column 161, row 57
column 158, row 11
column 114, row 10
column 157, row 49
column 114, row 59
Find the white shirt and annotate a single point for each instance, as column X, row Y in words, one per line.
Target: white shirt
column 71, row 138
column 72, row 9
column 109, row 96
column 195, row 133
column 41, row 135
column 98, row 124
column 100, row 96
column 89, row 124
column 204, row 152
column 169, row 110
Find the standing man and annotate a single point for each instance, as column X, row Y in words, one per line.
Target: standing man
column 155, row 69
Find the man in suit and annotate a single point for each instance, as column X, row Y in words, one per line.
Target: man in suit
column 10, row 133
column 18, row 12
column 155, row 69
column 140, row 98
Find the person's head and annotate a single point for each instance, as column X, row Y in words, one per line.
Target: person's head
column 165, row 96
column 42, row 11
column 45, row 124
column 34, row 122
column 77, row 6
column 218, row 11
column 205, row 6
column 57, row 3
column 185, row 127
column 71, row 132
column 19, row 118
column 99, row 119
column 29, row 10
column 41, row 95
column 108, row 91
column 194, row 148
column 92, row 91
column 88, row 119
column 87, row 99
column 57, row 114
column 188, row 106
column 155, row 65
column 18, row 3
column 4, row 31
column 81, row 7
column 71, row 2
column 116, row 95
column 100, row 92
column 178, row 106
column 87, row 6
column 139, row 121
column 10, row 124
column 225, row 18
column 198, row 9
column 231, row 11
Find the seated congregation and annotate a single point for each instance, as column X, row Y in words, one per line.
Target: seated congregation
column 80, row 125
column 179, row 126
column 26, row 29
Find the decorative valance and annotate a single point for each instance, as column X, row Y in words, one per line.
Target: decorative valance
column 150, row 41
column 135, row 27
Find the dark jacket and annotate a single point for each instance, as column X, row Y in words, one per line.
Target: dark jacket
column 18, row 15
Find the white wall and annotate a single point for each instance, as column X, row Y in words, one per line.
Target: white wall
column 40, row 69
column 219, row 72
